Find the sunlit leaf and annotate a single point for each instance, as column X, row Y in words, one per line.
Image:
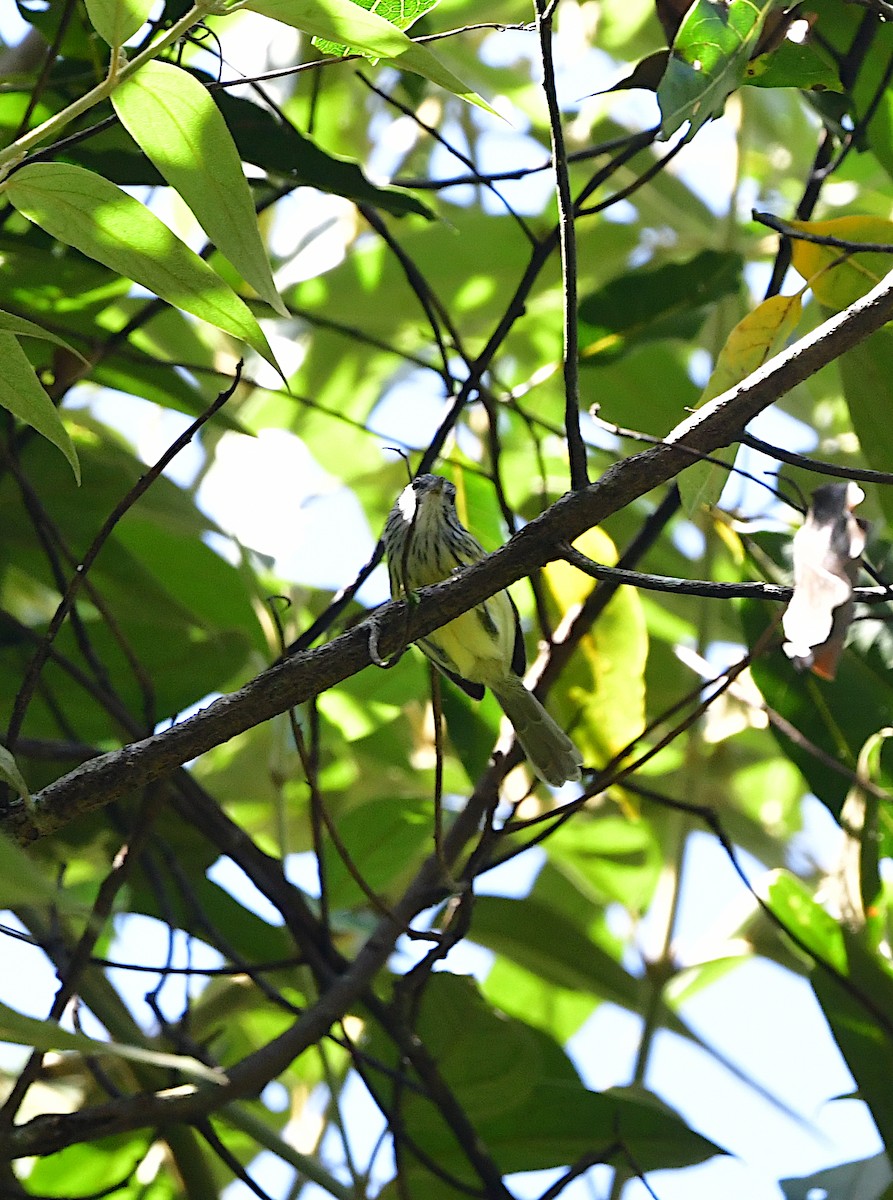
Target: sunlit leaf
column 560, row 1011
column 609, row 858
column 608, row 689
column 22, row 394
column 97, row 1165
column 819, row 932
column 708, row 61
column 753, row 341
column 117, row 20
column 838, row 277
column 401, row 13
column 96, row 217
column 15, row 1027
column 346, row 23
column 851, row 1009
column 175, row 121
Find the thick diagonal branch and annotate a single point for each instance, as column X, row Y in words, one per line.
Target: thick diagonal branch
column 97, row 782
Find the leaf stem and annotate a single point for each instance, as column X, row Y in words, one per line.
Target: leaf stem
column 13, row 154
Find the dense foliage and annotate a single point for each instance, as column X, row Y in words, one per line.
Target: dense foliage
column 519, row 245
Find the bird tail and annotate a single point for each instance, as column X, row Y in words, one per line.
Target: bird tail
column 552, row 754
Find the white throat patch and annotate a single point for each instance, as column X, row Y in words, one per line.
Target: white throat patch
column 407, row 503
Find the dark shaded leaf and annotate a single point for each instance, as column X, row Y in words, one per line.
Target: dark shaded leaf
column 654, row 303
column 646, row 74
column 264, row 141
column 530, row 1109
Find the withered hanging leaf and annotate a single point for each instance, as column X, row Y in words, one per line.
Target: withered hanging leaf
column 646, row 75
column 826, row 554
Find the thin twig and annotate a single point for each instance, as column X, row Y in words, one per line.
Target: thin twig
column 814, row 464
column 820, row 239
column 567, row 240
column 139, row 489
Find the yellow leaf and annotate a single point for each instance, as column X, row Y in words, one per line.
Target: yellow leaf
column 570, row 586
column 607, row 675
column 753, row 341
column 838, row 286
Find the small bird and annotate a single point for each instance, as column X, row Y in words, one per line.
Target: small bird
column 425, row 542
column 826, row 554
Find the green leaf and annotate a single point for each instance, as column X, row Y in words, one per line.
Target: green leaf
column 401, row 13
column 608, row 857
column 23, row 396
column 73, row 38
column 646, row 74
column 793, row 64
column 117, row 20
column 606, row 682
column 795, row 906
column 864, row 1042
column 22, row 881
column 869, row 102
column 866, row 371
column 180, row 128
column 549, row 945
column 23, row 328
column 384, row 838
column 96, row 1166
column 261, row 139
column 530, row 1109
column 85, row 211
column 654, row 303
column 558, row 1125
column 150, row 379
column 206, row 585
column 558, row 1011
column 15, row 1027
column 708, row 61
column 344, row 22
